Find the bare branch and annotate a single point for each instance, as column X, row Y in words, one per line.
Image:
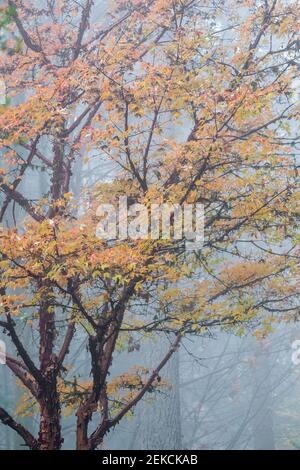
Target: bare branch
column 28, row 438
column 27, row 39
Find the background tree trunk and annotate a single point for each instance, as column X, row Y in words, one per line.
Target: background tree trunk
column 159, row 425
column 263, row 432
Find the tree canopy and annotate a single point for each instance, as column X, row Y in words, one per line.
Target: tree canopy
column 190, row 102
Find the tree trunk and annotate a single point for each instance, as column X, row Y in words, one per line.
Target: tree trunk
column 263, row 432
column 50, row 411
column 160, row 420
column 50, row 428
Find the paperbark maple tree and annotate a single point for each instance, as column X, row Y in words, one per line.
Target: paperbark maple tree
column 126, row 92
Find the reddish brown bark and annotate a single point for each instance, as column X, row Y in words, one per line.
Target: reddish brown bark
column 50, row 428
column 50, row 409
